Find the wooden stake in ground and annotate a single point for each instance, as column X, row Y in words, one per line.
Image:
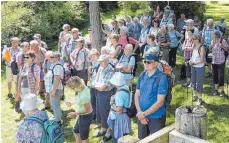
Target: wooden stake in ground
column 95, row 22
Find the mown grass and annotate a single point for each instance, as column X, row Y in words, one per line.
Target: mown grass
column 216, row 107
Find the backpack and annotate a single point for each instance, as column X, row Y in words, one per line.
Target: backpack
column 133, row 71
column 167, row 70
column 14, row 67
column 52, row 132
column 63, row 81
column 225, row 52
column 131, row 111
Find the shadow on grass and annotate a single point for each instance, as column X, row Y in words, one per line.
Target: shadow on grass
column 22, row 116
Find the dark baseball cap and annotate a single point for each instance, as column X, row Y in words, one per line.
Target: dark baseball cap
column 151, row 56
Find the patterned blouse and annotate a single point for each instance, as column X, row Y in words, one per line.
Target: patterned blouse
column 31, row 131
column 218, row 56
column 188, row 44
column 80, row 59
column 31, row 76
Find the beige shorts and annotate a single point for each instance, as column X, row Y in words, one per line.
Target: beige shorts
column 9, row 75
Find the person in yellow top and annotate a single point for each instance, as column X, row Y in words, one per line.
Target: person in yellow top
column 83, row 109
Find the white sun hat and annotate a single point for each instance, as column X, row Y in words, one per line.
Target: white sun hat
column 118, row 79
column 30, row 102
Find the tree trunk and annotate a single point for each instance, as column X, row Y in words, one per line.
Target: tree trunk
column 191, row 120
column 95, row 22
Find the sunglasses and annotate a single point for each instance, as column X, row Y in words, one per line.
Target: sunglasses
column 148, row 62
column 25, row 57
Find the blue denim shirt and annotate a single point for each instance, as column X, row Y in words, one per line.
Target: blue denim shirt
column 149, row 91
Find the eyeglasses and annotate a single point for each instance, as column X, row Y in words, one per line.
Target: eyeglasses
column 52, row 57
column 194, row 39
column 149, row 62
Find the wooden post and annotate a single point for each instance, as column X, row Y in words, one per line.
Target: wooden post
column 191, row 120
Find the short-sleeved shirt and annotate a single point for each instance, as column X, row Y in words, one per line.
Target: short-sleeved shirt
column 152, row 46
column 31, row 131
column 13, row 53
column 49, row 81
column 174, row 35
column 154, row 31
column 180, row 23
column 32, row 73
column 149, row 91
column 121, row 98
column 40, row 57
column 20, row 57
column 124, row 41
column 82, row 98
column 61, row 36
column 43, row 45
column 126, row 61
column 218, row 56
column 80, row 58
column 163, row 39
column 188, row 43
column 207, row 34
column 104, row 75
column 70, row 45
column 167, row 21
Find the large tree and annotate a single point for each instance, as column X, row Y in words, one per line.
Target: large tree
column 95, row 22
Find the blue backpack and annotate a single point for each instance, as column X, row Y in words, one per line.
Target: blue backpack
column 52, row 132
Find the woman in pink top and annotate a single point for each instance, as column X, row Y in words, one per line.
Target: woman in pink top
column 124, row 39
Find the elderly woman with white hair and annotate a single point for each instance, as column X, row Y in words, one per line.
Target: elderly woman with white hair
column 30, row 131
column 66, row 28
column 218, row 47
column 137, row 28
column 126, row 64
column 124, row 39
column 175, row 42
column 163, row 41
column 207, row 36
column 143, row 36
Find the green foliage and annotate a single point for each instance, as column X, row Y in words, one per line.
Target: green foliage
column 47, row 18
column 134, row 8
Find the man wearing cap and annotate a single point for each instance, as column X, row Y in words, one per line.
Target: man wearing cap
column 14, row 50
column 150, row 97
column 54, row 86
column 80, row 60
column 104, row 91
column 222, row 25
column 39, row 60
column 66, row 28
column 71, row 43
column 40, row 42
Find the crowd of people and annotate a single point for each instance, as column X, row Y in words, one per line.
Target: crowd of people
column 102, row 81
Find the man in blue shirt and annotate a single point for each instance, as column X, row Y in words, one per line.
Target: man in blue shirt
column 150, row 97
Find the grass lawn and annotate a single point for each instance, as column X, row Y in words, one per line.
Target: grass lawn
column 216, row 107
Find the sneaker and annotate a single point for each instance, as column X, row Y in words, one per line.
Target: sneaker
column 106, row 137
column 222, row 94
column 10, row 95
column 194, row 98
column 99, row 134
column 97, row 126
column 190, row 85
column 215, row 93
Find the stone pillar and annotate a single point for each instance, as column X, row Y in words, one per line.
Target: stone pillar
column 191, row 120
